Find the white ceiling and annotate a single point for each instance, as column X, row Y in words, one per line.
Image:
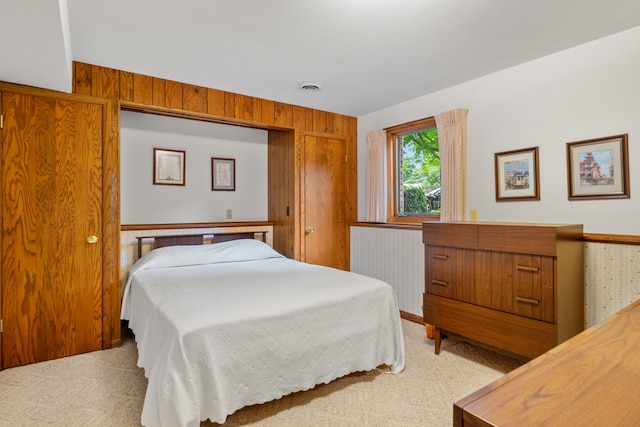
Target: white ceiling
column 366, row 54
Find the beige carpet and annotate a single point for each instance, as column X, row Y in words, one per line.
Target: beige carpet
column 105, row 388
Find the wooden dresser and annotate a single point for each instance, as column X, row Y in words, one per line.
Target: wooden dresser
column 516, row 288
column 591, row 379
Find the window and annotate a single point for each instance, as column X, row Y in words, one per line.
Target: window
column 413, row 172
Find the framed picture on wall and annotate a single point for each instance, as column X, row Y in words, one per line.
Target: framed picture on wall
column 517, row 175
column 223, row 174
column 598, row 168
column 168, row 167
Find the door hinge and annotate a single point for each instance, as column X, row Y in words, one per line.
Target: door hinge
column 1, row 325
column 1, row 125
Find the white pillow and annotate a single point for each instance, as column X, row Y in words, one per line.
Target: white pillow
column 232, row 251
column 178, row 256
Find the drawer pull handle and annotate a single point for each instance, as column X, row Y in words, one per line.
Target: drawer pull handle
column 527, row 268
column 528, row 300
column 439, row 282
column 438, row 256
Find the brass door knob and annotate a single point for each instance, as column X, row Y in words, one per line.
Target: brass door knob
column 92, row 239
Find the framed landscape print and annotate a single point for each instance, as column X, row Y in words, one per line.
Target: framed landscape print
column 168, row 167
column 598, row 168
column 517, row 176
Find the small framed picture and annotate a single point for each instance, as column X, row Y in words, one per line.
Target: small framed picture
column 598, row 168
column 223, row 174
column 517, row 175
column 168, row 167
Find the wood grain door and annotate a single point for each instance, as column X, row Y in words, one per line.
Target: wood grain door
column 324, row 215
column 51, row 206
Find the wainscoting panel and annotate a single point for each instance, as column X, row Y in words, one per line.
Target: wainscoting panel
column 395, row 256
column 612, row 271
column 612, row 279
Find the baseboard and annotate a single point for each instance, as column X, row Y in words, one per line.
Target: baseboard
column 411, row 317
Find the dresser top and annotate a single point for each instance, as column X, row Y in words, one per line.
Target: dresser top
column 529, row 238
column 505, row 223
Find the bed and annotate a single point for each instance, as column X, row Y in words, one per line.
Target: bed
column 227, row 325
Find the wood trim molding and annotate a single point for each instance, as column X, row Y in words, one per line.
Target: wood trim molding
column 398, row 226
column 169, row 112
column 620, row 239
column 178, row 226
column 411, row 317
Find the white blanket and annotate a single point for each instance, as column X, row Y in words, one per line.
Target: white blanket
column 232, row 324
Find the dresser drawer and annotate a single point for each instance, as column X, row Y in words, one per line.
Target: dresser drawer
column 516, row 335
column 520, row 239
column 453, row 234
column 533, row 287
column 449, row 272
column 515, row 283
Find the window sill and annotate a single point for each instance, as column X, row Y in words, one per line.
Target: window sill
column 396, row 226
column 399, row 222
column 410, row 220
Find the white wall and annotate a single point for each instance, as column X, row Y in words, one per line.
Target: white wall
column 145, row 203
column 586, row 92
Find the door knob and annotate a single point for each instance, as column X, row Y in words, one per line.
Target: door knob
column 310, row 229
column 92, row 239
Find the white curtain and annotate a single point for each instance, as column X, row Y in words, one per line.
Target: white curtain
column 452, row 142
column 376, row 206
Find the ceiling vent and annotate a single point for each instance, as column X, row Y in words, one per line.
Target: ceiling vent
column 309, row 86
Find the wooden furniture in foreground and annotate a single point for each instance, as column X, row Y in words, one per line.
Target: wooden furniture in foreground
column 514, row 288
column 591, row 379
column 197, row 239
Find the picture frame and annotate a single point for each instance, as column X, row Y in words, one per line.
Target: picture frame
column 598, row 168
column 169, row 167
column 223, row 174
column 517, row 174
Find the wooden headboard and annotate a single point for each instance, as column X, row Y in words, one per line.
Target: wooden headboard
column 197, row 239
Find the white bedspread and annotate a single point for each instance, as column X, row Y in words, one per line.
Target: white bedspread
column 250, row 327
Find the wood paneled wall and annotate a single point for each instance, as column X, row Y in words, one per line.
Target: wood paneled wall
column 212, row 104
column 287, row 125
column 282, row 191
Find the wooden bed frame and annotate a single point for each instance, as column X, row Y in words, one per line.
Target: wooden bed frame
column 198, row 239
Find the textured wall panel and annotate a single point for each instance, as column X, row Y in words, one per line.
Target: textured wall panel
column 395, row 256
column 612, row 279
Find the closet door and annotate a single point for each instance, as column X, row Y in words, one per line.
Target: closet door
column 324, row 207
column 51, row 226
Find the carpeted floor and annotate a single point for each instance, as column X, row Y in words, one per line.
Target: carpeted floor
column 106, row 388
